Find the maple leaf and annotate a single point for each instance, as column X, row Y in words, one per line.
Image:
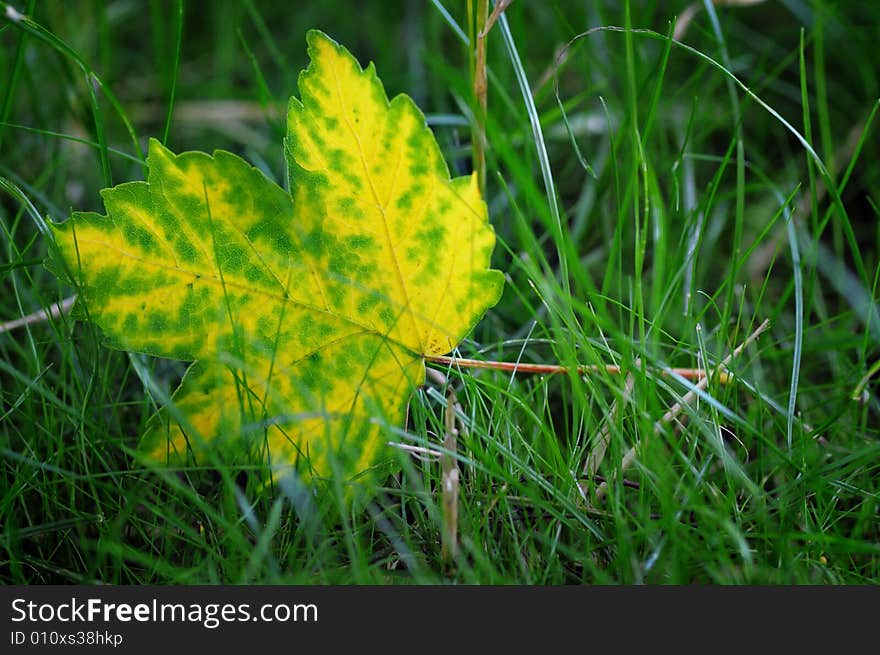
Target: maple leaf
column 307, row 314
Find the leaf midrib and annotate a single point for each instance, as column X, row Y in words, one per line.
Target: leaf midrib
column 379, row 204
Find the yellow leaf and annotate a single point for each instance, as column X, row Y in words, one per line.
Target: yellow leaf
column 308, row 313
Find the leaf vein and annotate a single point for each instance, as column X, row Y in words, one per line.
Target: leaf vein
column 369, row 179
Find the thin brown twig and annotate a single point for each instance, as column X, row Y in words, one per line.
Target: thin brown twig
column 560, row 57
column 481, row 88
column 437, row 376
column 39, row 316
column 500, row 6
column 449, row 482
column 419, row 452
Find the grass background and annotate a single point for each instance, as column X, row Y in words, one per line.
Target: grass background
column 650, row 213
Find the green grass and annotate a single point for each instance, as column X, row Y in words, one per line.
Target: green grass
column 650, row 213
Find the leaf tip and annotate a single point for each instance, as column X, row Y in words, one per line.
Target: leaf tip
column 318, row 41
column 156, row 148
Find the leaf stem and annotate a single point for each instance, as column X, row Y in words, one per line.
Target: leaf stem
column 724, row 377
